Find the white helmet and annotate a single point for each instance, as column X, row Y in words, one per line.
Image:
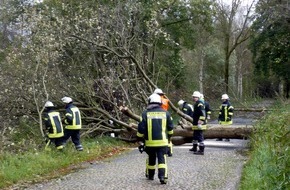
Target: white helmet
column 154, row 98
column 48, row 104
column 201, row 96
column 66, row 100
column 180, row 103
column 196, row 94
column 225, row 97
column 158, row 91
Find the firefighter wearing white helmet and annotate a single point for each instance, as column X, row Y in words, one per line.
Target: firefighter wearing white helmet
column 225, row 97
column 53, row 126
column 164, row 100
column 66, row 100
column 226, row 113
column 73, row 123
column 154, row 99
column 196, row 94
column 199, row 124
column 158, row 91
column 155, row 130
column 185, row 107
column 48, row 104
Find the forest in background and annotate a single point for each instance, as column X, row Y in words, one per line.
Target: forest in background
column 107, row 54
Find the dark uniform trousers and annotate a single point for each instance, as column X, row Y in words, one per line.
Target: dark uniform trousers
column 198, row 135
column 74, row 134
column 158, row 152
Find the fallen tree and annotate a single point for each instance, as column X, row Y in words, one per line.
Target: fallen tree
column 182, row 136
column 183, row 132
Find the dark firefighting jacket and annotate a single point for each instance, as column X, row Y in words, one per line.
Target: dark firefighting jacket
column 156, row 126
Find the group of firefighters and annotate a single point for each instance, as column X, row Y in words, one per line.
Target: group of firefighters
column 54, row 130
column 156, row 128
column 154, row 131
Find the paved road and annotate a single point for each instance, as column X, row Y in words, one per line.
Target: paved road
column 218, row 169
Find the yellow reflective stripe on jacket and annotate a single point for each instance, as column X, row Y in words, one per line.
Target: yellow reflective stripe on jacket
column 57, row 129
column 156, row 142
column 76, row 122
column 170, row 132
column 140, row 135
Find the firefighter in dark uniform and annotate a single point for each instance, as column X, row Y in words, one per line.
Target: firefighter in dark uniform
column 226, row 113
column 53, row 126
column 155, row 129
column 185, row 107
column 198, row 124
column 73, row 123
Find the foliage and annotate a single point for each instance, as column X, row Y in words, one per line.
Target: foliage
column 33, row 165
column 268, row 167
column 270, row 44
column 102, row 53
column 181, row 22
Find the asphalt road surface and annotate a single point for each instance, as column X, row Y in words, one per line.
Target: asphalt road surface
column 219, row 169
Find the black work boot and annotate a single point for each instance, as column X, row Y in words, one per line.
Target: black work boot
column 163, row 180
column 194, row 148
column 150, row 174
column 200, row 151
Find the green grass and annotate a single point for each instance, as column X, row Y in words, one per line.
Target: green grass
column 269, row 163
column 33, row 166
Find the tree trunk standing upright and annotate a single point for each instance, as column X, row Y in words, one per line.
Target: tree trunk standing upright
column 227, row 65
column 201, row 69
column 243, row 70
column 232, row 33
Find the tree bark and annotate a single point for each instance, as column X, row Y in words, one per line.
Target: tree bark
column 181, row 136
column 184, row 134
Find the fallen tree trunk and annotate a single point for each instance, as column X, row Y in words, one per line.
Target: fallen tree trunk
column 184, row 134
column 181, row 136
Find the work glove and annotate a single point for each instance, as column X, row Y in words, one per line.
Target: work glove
column 199, row 126
column 141, row 148
column 229, row 119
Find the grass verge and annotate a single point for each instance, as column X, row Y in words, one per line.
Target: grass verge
column 269, row 163
column 34, row 166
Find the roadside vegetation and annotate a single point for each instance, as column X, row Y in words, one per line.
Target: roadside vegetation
column 34, row 165
column 269, row 163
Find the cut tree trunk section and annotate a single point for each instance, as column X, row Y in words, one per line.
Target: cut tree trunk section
column 184, row 134
column 181, row 136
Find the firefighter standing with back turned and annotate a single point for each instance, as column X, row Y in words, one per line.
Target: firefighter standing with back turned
column 53, row 125
column 165, row 106
column 156, row 129
column 73, row 123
